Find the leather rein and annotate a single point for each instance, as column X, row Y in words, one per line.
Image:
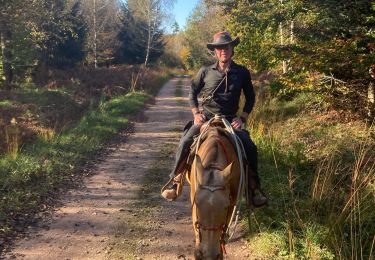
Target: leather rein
column 213, row 188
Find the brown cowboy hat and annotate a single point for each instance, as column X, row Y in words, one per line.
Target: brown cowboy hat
column 221, row 39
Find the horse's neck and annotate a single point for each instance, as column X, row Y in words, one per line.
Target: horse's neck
column 216, row 151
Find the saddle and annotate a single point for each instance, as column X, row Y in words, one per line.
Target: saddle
column 185, row 165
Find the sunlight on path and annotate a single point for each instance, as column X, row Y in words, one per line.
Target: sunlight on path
column 108, row 211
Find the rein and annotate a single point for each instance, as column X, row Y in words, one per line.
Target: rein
column 240, row 153
column 224, row 149
column 223, row 229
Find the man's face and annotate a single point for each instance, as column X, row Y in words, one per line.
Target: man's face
column 224, row 53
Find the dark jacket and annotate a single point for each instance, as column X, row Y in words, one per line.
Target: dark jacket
column 225, row 100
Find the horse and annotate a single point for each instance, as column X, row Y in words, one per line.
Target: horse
column 214, row 180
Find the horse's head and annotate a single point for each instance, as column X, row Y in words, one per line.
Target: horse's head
column 212, row 209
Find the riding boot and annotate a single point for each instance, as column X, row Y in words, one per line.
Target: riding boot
column 256, row 196
column 173, row 190
column 174, row 186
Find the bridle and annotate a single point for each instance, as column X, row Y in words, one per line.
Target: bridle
column 223, row 227
column 213, row 188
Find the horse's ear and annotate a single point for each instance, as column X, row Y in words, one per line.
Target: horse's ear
column 227, row 171
column 199, row 168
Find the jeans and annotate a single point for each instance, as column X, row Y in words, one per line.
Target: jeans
column 187, row 139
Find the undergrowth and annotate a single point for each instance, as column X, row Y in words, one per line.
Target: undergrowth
column 319, row 173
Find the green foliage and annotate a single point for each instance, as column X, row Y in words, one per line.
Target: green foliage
column 60, row 34
column 317, row 173
column 40, row 33
column 43, row 35
column 170, row 59
column 302, row 37
column 202, row 24
column 291, row 84
column 327, row 36
column 43, row 165
column 6, row 103
column 133, row 37
column 71, row 49
column 256, row 23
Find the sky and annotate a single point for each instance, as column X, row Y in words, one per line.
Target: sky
column 182, row 9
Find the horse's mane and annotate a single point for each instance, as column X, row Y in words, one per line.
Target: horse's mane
column 211, row 145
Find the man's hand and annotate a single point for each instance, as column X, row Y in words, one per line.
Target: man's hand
column 199, row 119
column 237, row 123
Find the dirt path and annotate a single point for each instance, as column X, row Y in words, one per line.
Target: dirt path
column 119, row 214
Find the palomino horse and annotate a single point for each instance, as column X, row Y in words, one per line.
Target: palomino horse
column 214, row 182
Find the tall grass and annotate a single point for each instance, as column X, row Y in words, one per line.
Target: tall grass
column 320, row 177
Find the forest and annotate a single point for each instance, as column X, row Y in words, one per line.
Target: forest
column 73, row 71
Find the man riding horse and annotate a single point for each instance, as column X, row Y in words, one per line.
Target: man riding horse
column 220, row 85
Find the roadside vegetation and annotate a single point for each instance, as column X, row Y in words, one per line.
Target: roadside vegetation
column 319, row 172
column 51, row 136
column 313, row 66
column 73, row 72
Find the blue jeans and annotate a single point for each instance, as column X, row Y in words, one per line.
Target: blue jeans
column 187, row 140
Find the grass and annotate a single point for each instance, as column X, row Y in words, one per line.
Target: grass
column 56, row 130
column 6, row 103
column 156, row 175
column 319, row 173
column 29, row 176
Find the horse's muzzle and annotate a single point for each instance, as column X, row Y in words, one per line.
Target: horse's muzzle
column 198, row 255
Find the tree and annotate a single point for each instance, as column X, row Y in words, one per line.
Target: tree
column 150, row 15
column 102, row 19
column 132, row 38
column 202, row 24
column 175, row 28
column 8, row 12
column 257, row 24
column 66, row 40
column 6, row 54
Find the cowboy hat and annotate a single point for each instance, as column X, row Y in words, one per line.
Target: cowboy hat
column 221, row 39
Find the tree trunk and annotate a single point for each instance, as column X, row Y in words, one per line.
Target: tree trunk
column 6, row 53
column 285, row 68
column 371, row 96
column 148, row 39
column 95, row 38
column 282, row 43
column 148, row 47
